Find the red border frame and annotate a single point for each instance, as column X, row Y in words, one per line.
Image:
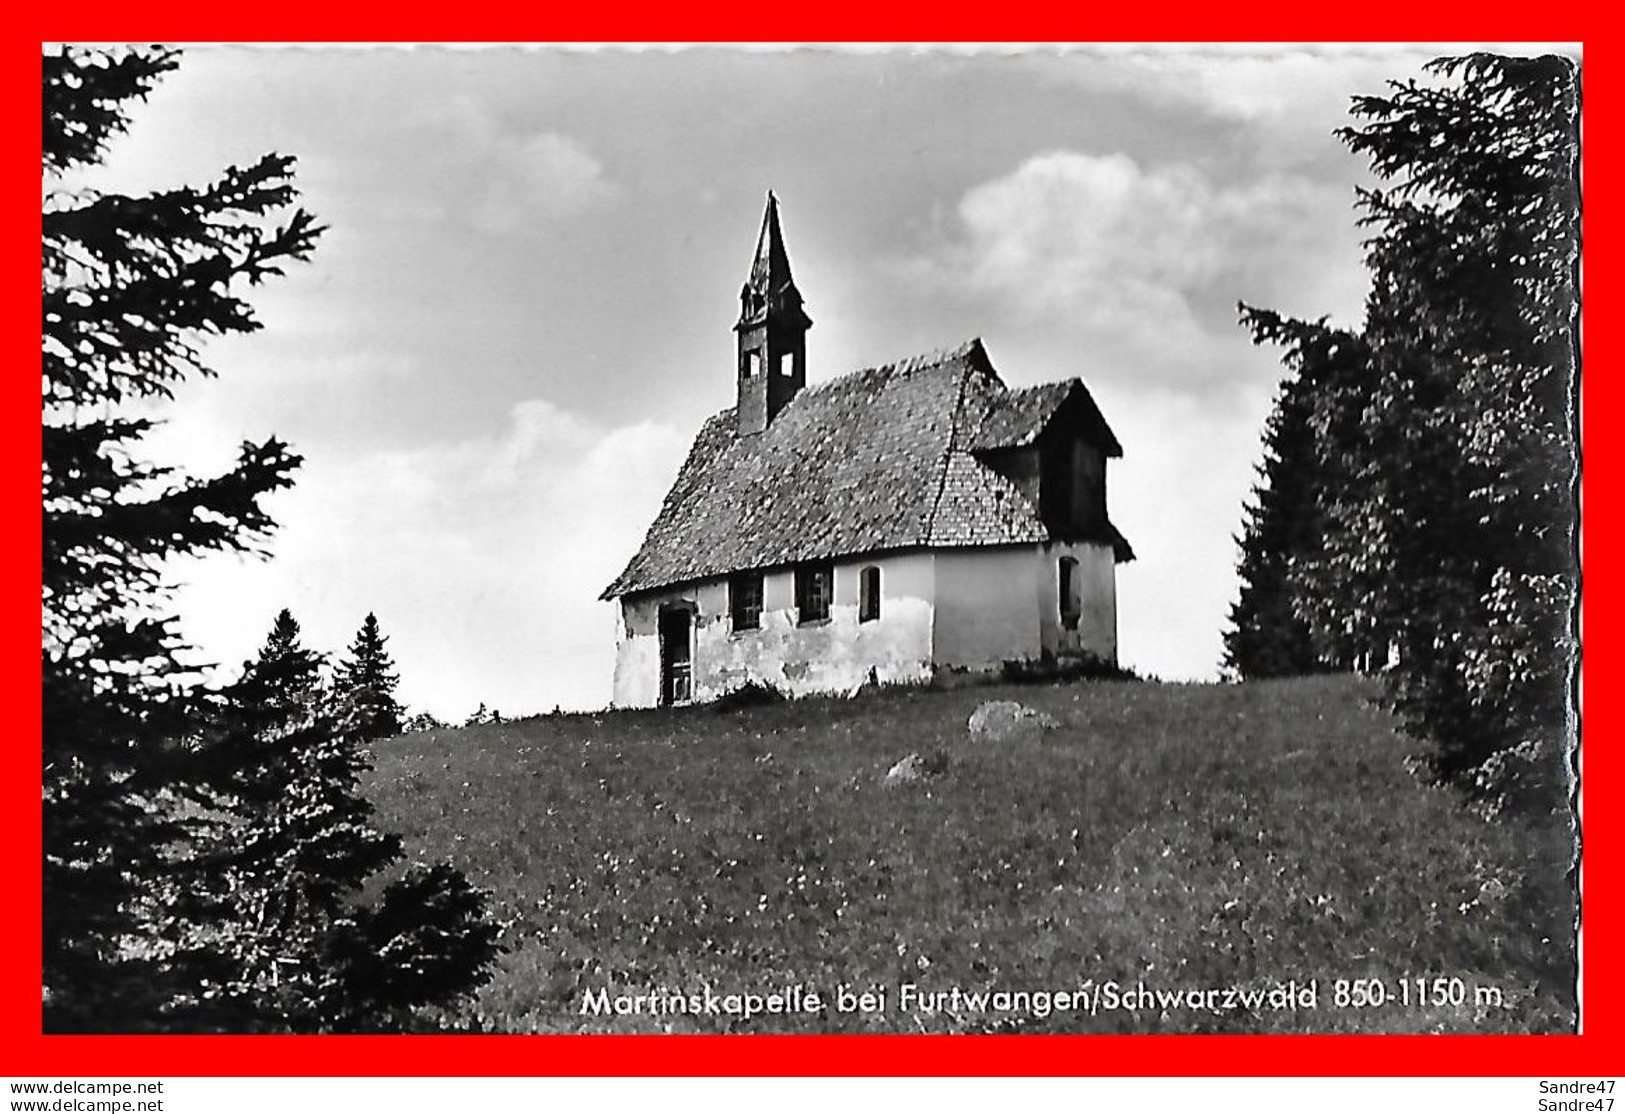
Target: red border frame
column 27, row 1051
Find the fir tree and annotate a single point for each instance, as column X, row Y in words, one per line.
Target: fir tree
column 312, row 941
column 1295, row 613
column 366, row 683
column 1268, row 637
column 130, row 287
column 1470, row 508
column 203, row 853
column 285, row 678
column 295, row 841
column 1446, row 452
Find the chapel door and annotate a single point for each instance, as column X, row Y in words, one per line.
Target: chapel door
column 676, row 656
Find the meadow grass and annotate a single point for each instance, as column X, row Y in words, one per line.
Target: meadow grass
column 1166, row 835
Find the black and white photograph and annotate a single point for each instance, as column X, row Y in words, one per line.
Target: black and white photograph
column 930, row 539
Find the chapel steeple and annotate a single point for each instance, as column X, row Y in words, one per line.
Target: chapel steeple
column 771, row 331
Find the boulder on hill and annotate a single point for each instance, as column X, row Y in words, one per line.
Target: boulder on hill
column 912, row 768
column 1004, row 719
column 908, row 769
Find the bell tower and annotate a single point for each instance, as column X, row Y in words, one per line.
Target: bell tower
column 772, row 331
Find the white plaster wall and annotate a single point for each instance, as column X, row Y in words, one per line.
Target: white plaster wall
column 1097, row 586
column 830, row 656
column 987, row 607
column 778, row 591
column 637, row 644
column 971, row 609
column 637, row 671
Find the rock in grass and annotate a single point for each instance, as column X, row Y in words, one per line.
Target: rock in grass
column 908, row 769
column 1003, row 719
column 912, row 767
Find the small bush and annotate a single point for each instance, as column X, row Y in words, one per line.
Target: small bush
column 1527, row 779
column 1050, row 670
column 751, row 694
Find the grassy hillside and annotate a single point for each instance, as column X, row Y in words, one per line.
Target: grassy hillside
column 1171, row 836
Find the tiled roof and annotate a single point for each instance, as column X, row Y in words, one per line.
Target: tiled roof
column 879, row 459
column 1017, row 418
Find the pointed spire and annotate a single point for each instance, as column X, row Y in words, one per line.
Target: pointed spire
column 770, row 290
column 771, row 270
column 771, row 332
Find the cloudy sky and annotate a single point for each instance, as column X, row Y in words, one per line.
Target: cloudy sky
column 522, row 311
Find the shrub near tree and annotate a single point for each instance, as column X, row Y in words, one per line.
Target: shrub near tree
column 144, row 813
column 483, row 715
column 1445, row 453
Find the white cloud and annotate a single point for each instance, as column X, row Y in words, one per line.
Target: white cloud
column 542, row 176
column 1281, row 101
column 1272, row 87
column 483, row 559
column 1066, row 225
column 518, row 175
column 1066, row 228
column 562, row 166
column 1144, row 265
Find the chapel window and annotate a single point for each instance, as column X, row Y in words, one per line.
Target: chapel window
column 745, row 600
column 1070, row 601
column 815, row 587
column 869, row 595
